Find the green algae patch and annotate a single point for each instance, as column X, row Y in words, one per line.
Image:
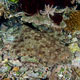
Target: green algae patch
column 14, row 1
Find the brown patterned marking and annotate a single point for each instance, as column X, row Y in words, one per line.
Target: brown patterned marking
column 14, row 46
column 18, row 51
column 37, row 38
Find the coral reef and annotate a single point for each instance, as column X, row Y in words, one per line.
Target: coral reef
column 34, row 43
column 33, row 6
column 73, row 23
